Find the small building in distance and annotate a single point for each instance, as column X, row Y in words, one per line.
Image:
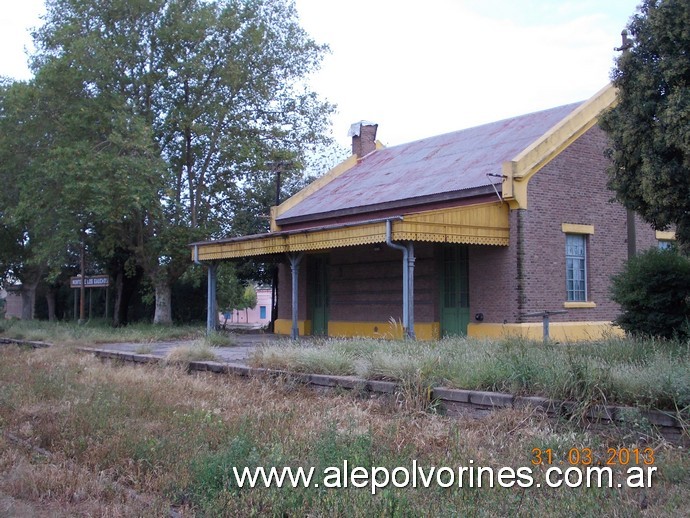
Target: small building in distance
column 258, row 316
column 11, row 302
column 468, row 233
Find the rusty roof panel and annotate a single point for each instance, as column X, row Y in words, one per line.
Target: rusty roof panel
column 445, row 163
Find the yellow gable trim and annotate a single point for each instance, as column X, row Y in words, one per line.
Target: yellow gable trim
column 520, row 169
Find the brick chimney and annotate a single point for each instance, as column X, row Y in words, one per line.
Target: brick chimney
column 363, row 135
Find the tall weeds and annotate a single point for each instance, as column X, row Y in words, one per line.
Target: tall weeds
column 648, row 373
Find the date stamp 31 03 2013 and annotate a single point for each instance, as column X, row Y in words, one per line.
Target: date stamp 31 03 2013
column 588, row 457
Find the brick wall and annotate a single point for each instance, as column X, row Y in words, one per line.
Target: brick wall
column 365, row 285
column 529, row 275
column 493, row 282
column 572, row 189
column 285, row 291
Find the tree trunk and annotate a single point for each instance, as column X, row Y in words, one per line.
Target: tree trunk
column 28, row 301
column 274, row 300
column 50, row 300
column 117, row 307
column 163, row 313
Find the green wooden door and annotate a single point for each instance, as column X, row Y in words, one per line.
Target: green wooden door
column 319, row 294
column 455, row 290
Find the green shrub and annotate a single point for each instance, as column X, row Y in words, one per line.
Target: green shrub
column 654, row 293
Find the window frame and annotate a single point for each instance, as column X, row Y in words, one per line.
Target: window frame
column 585, row 231
column 573, row 271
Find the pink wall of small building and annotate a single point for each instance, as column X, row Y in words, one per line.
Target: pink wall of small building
column 255, row 315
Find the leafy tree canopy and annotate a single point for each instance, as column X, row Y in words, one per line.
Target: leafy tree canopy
column 649, row 128
column 147, row 123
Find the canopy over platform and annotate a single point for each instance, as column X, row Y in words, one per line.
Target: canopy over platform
column 484, row 224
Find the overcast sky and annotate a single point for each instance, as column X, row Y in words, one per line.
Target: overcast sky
column 425, row 68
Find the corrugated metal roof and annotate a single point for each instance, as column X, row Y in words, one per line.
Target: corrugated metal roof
column 442, row 164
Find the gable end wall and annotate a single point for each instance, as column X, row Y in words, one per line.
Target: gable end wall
column 572, row 189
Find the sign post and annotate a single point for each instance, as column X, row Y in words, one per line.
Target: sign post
column 88, row 281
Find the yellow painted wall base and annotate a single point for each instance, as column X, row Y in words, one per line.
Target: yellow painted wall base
column 423, row 330
column 283, row 326
column 561, row 331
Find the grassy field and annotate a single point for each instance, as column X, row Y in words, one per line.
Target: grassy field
column 645, row 373
column 95, row 332
column 120, row 440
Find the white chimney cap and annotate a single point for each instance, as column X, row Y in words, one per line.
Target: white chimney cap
column 357, row 127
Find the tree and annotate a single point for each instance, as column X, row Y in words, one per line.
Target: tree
column 10, row 249
column 219, row 85
column 649, row 128
column 74, row 163
column 19, row 258
column 229, row 291
column 249, row 300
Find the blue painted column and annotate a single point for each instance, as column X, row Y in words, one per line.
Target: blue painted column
column 410, row 290
column 211, row 310
column 295, row 260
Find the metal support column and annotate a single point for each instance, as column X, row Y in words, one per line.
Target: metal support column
column 408, row 279
column 211, row 310
column 295, row 260
column 410, row 290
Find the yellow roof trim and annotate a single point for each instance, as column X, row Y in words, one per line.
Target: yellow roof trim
column 520, row 169
column 481, row 224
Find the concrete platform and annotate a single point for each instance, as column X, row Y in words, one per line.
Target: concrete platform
column 246, row 343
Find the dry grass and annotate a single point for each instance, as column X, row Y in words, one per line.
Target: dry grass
column 34, row 485
column 197, row 351
column 648, row 373
column 169, row 436
column 95, row 332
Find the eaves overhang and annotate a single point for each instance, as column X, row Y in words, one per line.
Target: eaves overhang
column 406, row 205
column 481, row 224
column 518, row 171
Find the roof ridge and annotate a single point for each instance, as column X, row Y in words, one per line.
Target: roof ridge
column 574, row 105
